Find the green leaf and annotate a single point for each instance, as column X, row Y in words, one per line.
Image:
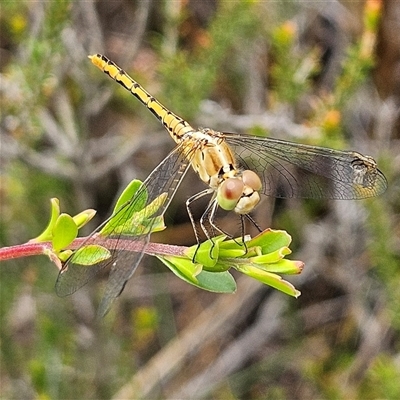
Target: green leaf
column 48, row 232
column 182, row 267
column 260, row 258
column 270, row 240
column 64, row 232
column 141, row 223
column 122, row 213
column 90, row 255
column 65, row 228
column 219, row 282
column 127, row 195
column 135, row 220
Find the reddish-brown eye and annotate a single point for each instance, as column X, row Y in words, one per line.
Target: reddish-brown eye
column 229, row 193
column 252, row 180
column 232, row 188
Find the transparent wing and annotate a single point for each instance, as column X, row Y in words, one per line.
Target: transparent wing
column 295, row 170
column 154, row 197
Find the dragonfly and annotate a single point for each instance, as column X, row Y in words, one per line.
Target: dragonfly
column 236, row 169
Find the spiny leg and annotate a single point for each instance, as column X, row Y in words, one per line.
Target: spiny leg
column 189, row 202
column 253, row 221
column 208, row 215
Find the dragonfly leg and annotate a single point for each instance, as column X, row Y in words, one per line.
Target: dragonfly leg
column 189, row 202
column 206, row 219
column 253, row 221
column 209, row 215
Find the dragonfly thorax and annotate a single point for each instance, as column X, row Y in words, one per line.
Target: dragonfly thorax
column 213, row 158
column 216, row 166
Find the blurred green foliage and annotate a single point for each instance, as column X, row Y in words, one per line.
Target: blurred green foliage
column 290, row 71
column 195, row 73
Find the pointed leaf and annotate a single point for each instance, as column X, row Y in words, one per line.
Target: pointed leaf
column 218, row 282
column 270, row 279
column 129, row 223
column 128, row 194
column 141, row 223
column 287, row 267
column 123, row 213
column 182, row 267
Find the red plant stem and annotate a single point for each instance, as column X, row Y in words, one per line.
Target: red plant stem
column 24, row 250
column 33, row 249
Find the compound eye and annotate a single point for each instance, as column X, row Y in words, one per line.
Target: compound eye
column 229, row 193
column 252, row 180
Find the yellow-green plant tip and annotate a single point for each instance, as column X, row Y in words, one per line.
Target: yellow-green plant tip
column 84, row 217
column 47, row 234
column 55, row 202
column 64, row 232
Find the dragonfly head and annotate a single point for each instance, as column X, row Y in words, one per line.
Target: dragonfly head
column 240, row 193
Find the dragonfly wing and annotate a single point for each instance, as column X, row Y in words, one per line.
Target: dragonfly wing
column 295, row 170
column 154, row 197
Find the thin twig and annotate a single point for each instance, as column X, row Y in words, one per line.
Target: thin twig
column 34, row 249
